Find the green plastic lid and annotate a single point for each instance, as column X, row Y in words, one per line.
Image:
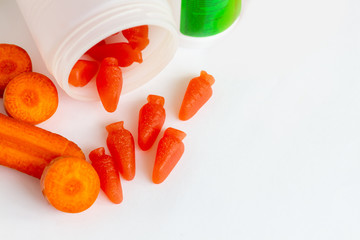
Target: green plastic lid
column 204, row 18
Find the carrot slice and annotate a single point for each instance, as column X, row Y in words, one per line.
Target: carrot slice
column 151, row 119
column 137, row 36
column 109, row 83
column 122, row 148
column 70, row 184
column 82, row 72
column 31, row 97
column 109, row 176
column 13, row 61
column 168, row 154
column 197, row 94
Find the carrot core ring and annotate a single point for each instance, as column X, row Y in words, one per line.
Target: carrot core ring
column 70, row 184
column 13, row 61
column 31, row 97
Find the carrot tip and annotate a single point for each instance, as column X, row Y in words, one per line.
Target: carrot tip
column 184, row 117
column 82, row 73
column 139, row 58
column 157, row 180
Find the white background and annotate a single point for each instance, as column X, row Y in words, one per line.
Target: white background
column 275, row 153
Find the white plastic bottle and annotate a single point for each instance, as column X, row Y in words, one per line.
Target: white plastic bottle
column 64, row 30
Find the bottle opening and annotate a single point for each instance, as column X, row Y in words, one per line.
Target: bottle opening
column 155, row 56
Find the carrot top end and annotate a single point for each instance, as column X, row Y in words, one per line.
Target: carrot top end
column 175, row 133
column 115, row 126
column 155, row 99
column 207, row 77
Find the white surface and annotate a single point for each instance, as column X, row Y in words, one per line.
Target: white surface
column 273, row 155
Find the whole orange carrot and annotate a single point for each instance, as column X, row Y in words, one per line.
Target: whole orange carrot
column 197, row 94
column 29, row 149
column 169, row 152
column 109, row 176
column 121, row 146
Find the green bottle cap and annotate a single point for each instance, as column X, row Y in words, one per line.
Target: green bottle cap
column 203, row 18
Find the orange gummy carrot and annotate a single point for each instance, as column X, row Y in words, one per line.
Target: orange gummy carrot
column 70, row 184
column 31, row 97
column 151, row 119
column 137, row 36
column 197, row 94
column 13, row 61
column 109, row 176
column 169, row 152
column 109, row 83
column 122, row 51
column 29, row 149
column 82, row 72
column 121, row 146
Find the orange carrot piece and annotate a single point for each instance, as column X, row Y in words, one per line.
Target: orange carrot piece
column 70, row 184
column 109, row 176
column 151, row 119
column 137, row 36
column 169, row 152
column 82, row 72
column 29, row 149
column 197, row 94
column 13, row 61
column 31, row 97
column 122, row 51
column 24, row 157
column 109, row 83
column 122, row 148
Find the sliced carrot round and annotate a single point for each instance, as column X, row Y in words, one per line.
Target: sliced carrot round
column 31, row 97
column 13, row 61
column 70, row 184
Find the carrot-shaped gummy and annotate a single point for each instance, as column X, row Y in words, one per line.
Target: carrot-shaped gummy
column 29, row 149
column 137, row 36
column 13, row 61
column 82, row 72
column 151, row 119
column 121, row 146
column 70, row 184
column 31, row 97
column 109, row 83
column 197, row 94
column 122, row 51
column 169, row 152
column 109, row 175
